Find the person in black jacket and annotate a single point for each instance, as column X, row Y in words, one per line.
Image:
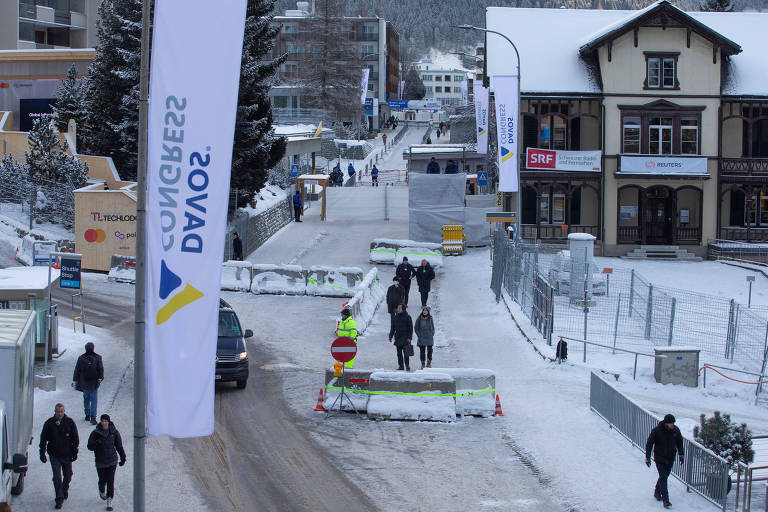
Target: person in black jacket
column 424, row 276
column 89, row 372
column 665, row 440
column 404, row 273
column 403, row 332
column 394, row 297
column 105, row 443
column 60, row 441
column 237, row 247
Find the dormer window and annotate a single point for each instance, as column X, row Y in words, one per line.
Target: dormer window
column 661, row 71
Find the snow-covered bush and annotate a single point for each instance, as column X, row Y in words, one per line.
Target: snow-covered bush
column 729, row 441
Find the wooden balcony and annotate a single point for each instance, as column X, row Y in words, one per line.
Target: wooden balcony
column 549, row 233
column 741, row 167
column 744, row 234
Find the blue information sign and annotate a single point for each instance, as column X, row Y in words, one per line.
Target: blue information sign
column 294, row 170
column 482, row 178
column 69, row 276
column 397, row 104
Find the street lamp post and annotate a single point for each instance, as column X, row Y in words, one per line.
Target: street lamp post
column 517, row 54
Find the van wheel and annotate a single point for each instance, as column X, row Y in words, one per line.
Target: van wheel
column 19, row 487
column 241, row 384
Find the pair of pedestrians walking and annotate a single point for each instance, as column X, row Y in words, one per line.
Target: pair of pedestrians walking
column 424, row 274
column 401, row 333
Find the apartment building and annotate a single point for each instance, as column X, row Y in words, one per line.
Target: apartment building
column 674, row 103
column 376, row 42
column 47, row 24
column 442, row 82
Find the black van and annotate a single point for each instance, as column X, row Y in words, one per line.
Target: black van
column 231, row 352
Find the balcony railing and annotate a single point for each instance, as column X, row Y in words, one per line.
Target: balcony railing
column 27, row 11
column 757, row 167
column 556, row 233
column 745, row 234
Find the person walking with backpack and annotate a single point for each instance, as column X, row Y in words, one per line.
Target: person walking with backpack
column 665, row 440
column 425, row 330
column 403, row 333
column 89, row 372
column 59, row 440
column 424, row 276
column 298, row 206
column 106, row 444
column 375, row 176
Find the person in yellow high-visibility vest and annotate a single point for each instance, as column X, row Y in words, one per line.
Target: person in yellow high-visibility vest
column 347, row 327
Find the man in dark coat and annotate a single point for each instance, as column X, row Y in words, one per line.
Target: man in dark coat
column 298, row 206
column 403, row 332
column 424, row 276
column 89, row 372
column 665, row 440
column 237, row 247
column 433, row 167
column 106, row 444
column 394, row 297
column 60, row 441
column 451, row 167
column 404, row 273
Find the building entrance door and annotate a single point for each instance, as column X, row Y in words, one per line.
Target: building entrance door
column 659, row 216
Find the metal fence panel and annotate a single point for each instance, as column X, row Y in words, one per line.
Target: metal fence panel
column 703, row 472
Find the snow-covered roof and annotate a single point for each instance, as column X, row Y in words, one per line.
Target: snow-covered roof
column 552, row 64
column 26, row 278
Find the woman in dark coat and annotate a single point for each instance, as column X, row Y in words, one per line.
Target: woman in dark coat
column 106, row 444
column 425, row 330
column 403, row 332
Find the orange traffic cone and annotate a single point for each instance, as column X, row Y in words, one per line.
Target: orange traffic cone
column 319, row 406
column 16, row 255
column 498, row 407
column 57, row 264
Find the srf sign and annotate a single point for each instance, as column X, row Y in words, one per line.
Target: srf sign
column 540, row 158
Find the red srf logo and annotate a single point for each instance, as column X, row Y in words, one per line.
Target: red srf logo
column 540, row 158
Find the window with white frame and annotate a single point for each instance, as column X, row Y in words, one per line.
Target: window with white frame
column 631, row 135
column 447, row 78
column 458, row 78
column 660, row 135
column 367, row 49
column 661, row 71
column 428, row 89
column 447, row 89
column 438, row 78
column 689, row 135
column 438, row 89
column 426, row 78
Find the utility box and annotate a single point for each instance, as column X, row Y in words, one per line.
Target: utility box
column 582, row 248
column 679, row 365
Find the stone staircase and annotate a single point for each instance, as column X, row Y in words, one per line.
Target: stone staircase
column 661, row 253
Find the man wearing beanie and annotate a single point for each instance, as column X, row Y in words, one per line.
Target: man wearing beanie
column 665, row 440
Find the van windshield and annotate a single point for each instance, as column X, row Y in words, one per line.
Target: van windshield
column 228, row 324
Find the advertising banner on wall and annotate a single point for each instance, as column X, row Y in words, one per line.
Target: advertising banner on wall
column 364, row 85
column 481, row 118
column 415, row 104
column 188, row 167
column 465, row 93
column 664, row 165
column 556, row 160
column 507, row 114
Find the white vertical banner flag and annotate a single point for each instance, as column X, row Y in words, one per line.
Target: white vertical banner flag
column 364, row 85
column 464, row 93
column 507, row 115
column 481, row 117
column 194, row 81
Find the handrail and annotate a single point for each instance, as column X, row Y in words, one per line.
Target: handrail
column 634, row 372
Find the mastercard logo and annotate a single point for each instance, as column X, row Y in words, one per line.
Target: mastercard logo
column 95, row 235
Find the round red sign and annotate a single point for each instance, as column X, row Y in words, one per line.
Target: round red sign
column 343, row 349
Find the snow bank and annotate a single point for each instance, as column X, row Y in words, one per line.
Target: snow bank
column 122, row 269
column 391, row 251
column 370, row 293
column 333, row 281
column 423, row 400
column 236, row 275
column 278, row 279
column 25, row 251
column 476, row 390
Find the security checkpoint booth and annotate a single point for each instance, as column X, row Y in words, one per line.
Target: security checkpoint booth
column 310, row 180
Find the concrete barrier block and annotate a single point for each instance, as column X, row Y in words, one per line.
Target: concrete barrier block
column 333, row 281
column 279, row 279
column 122, row 269
column 45, row 382
column 236, row 275
column 417, row 253
column 414, row 396
column 385, row 250
column 476, row 389
column 366, row 301
column 356, row 384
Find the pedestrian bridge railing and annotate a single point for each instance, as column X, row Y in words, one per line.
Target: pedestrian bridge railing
column 703, row 472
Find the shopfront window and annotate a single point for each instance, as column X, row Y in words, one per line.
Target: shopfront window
column 552, row 209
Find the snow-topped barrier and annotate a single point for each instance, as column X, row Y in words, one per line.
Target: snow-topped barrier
column 370, row 293
column 412, row 396
column 333, row 281
column 356, row 387
column 475, row 390
column 122, row 269
column 390, row 251
column 25, row 251
column 278, row 279
column 236, row 275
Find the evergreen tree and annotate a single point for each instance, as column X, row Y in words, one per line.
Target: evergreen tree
column 256, row 147
column 111, row 124
column 414, row 87
column 717, row 6
column 13, row 179
column 729, row 441
column 69, row 102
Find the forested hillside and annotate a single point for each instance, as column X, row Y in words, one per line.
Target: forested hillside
column 424, row 24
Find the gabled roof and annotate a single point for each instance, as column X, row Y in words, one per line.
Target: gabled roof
column 664, row 12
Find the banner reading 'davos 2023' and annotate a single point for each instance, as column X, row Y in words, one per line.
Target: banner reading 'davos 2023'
column 194, row 77
column 505, row 94
column 481, row 118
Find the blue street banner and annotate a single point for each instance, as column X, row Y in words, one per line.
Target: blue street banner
column 481, row 117
column 507, row 108
column 189, row 156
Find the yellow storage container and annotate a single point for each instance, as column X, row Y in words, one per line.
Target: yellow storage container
column 453, row 239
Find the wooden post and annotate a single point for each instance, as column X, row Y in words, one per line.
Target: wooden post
column 322, row 202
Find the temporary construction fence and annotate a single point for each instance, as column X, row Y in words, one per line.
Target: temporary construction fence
column 702, row 472
column 623, row 309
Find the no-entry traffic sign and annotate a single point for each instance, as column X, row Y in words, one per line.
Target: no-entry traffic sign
column 343, row 349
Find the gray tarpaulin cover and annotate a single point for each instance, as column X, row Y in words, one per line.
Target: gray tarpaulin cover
column 476, row 229
column 434, row 200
